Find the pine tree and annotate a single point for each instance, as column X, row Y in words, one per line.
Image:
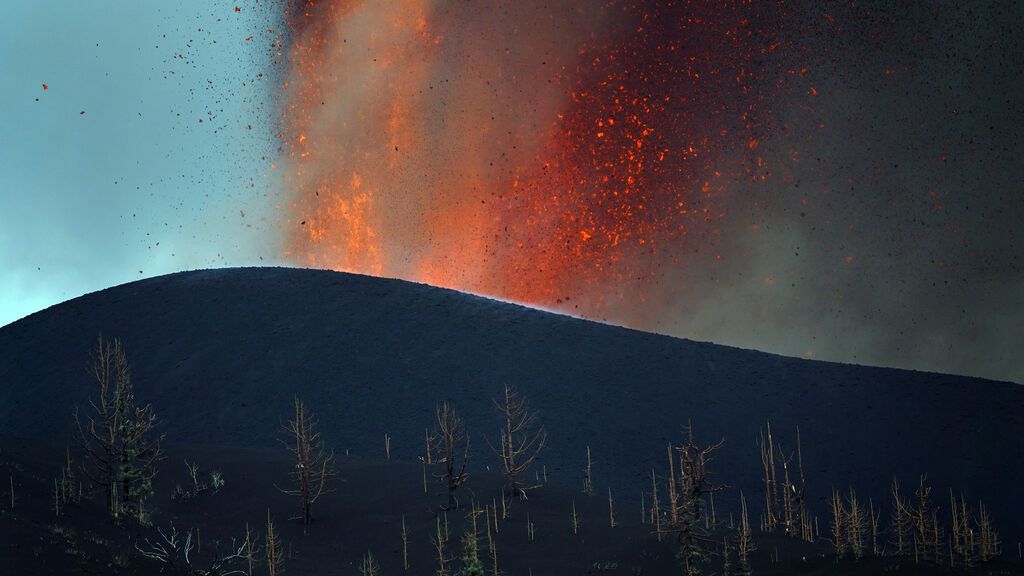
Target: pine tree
column 471, row 564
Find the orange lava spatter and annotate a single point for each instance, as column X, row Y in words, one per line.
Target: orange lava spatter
column 557, row 156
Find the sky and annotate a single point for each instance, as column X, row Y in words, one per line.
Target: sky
column 854, row 195
column 107, row 174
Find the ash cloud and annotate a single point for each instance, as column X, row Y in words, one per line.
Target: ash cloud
column 893, row 238
column 873, row 221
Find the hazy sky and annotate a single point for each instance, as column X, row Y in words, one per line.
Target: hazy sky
column 887, row 233
column 108, row 175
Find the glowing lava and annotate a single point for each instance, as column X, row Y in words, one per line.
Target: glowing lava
column 557, row 156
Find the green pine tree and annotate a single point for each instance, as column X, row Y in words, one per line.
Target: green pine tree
column 471, row 564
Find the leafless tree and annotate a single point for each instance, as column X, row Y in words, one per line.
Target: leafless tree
column 369, row 566
column 961, row 535
column 800, row 494
column 988, row 538
column 692, row 485
column 924, row 527
column 838, row 524
column 520, row 439
column 274, row 550
column 856, row 525
column 252, row 548
column 118, row 438
column 451, row 444
column 655, row 508
column 874, row 516
column 785, row 504
column 176, row 551
column 771, row 492
column 440, row 542
column 899, row 523
column 313, row 463
column 746, row 538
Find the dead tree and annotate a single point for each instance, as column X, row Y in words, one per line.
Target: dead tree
column 790, row 507
column 440, row 542
column 838, row 524
column 176, row 552
column 369, row 566
column 874, row 516
column 899, row 523
column 771, row 492
column 961, row 535
column 746, row 538
column 655, row 508
column 692, row 485
column 118, row 438
column 856, row 525
column 924, row 527
column 800, row 495
column 788, row 493
column 274, row 550
column 520, row 440
column 972, row 538
column 988, row 538
column 313, row 463
column 451, row 444
column 937, row 537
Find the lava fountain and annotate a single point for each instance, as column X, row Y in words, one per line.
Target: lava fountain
column 563, row 156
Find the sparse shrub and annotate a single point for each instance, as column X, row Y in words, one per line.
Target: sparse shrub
column 175, row 551
column 199, row 484
column 120, row 559
column 369, row 566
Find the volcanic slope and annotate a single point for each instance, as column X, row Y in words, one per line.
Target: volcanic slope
column 221, row 354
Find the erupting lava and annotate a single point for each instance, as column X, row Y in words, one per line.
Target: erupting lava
column 555, row 156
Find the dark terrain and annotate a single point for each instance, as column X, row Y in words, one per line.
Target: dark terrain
column 221, row 354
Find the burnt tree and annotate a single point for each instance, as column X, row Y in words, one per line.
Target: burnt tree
column 118, row 438
column 520, row 440
column 451, row 445
column 691, row 487
column 313, row 463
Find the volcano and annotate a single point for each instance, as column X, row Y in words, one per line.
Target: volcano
column 221, row 354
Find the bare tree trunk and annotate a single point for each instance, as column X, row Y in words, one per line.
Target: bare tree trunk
column 121, row 450
column 313, row 463
column 451, row 443
column 520, row 441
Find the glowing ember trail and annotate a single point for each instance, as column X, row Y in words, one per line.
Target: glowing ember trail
column 555, row 156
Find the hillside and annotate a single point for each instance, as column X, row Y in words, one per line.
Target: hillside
column 222, row 353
